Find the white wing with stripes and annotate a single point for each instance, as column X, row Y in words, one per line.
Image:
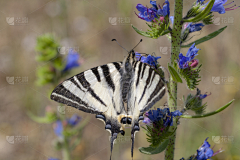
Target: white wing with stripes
column 93, row 91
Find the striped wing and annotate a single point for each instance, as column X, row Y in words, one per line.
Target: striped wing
column 147, row 88
column 97, row 91
column 92, row 91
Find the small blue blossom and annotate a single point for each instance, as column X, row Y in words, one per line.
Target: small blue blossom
column 165, row 11
column 72, row 60
column 194, row 27
column 74, row 120
column 192, row 52
column 219, row 6
column 58, row 128
column 202, row 96
column 146, row 120
column 204, row 152
column 151, row 60
column 183, row 62
column 149, row 14
column 200, row 1
column 53, row 159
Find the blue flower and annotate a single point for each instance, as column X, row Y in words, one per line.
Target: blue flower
column 149, row 14
column 74, row 120
column 200, row 1
column 219, row 6
column 165, row 11
column 151, row 60
column 194, row 27
column 53, row 159
column 183, row 62
column 204, row 152
column 176, row 113
column 72, row 60
column 163, row 114
column 202, row 96
column 146, row 120
column 58, row 128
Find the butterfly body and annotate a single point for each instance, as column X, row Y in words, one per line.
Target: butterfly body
column 118, row 93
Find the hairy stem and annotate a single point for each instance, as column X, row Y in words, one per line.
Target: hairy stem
column 66, row 150
column 172, row 89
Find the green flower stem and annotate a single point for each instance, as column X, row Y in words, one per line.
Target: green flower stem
column 66, row 150
column 210, row 113
column 172, row 89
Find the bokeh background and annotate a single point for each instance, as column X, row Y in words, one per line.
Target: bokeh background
column 89, row 26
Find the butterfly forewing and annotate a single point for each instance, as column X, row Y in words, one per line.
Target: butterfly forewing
column 92, row 90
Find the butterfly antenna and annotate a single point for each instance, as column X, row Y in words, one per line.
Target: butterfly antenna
column 120, row 45
column 137, row 44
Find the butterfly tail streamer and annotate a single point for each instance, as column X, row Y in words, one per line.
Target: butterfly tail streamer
column 113, row 138
column 132, row 138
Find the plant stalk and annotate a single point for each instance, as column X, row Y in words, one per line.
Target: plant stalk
column 66, row 150
column 172, row 89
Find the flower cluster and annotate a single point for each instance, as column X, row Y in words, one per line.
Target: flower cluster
column 188, row 60
column 149, row 14
column 55, row 64
column 151, row 60
column 164, row 115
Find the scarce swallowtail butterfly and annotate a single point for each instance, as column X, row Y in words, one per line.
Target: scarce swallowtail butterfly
column 106, row 90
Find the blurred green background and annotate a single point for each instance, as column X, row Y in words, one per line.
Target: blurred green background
column 89, row 26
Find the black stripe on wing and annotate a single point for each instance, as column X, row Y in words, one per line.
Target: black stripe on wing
column 96, row 73
column 107, row 76
column 139, row 72
column 150, row 71
column 62, row 95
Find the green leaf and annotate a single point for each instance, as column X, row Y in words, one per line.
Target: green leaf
column 202, row 14
column 145, row 34
column 155, row 150
column 206, row 38
column 49, row 118
column 174, row 74
column 210, row 113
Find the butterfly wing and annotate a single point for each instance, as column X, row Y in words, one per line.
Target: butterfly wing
column 146, row 89
column 96, row 91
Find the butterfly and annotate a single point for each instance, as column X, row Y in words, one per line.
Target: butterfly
column 119, row 93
